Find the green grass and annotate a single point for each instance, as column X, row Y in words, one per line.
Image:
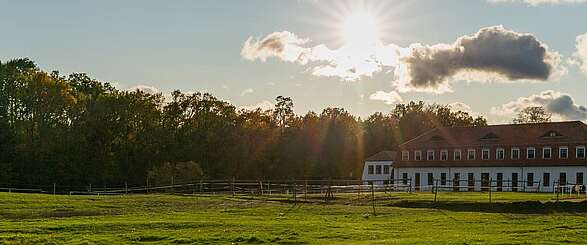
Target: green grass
column 401, row 218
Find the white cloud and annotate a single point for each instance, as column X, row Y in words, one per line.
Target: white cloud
column 493, row 54
column 581, row 54
column 145, row 88
column 561, row 105
column 387, row 97
column 540, row 2
column 247, row 91
column 263, row 105
column 460, row 106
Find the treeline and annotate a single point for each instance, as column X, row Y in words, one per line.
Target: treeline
column 74, row 130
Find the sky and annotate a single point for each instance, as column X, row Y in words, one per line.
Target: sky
column 487, row 57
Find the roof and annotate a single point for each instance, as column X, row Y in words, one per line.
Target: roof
column 506, row 134
column 382, row 156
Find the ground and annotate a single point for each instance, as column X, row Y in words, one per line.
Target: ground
column 226, row 219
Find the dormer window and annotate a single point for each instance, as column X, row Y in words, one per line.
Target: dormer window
column 515, row 153
column 430, row 155
column 552, row 134
column 417, row 155
column 444, row 155
column 499, row 154
column 485, row 154
column 563, row 152
column 405, row 155
column 580, row 150
column 471, row 154
column 490, row 136
column 530, row 153
column 457, row 155
column 547, row 152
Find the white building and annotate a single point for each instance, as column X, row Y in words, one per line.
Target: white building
column 513, row 157
column 378, row 168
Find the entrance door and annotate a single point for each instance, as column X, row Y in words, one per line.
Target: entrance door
column 499, row 181
column 456, row 182
column 485, row 181
column 417, row 181
column 514, row 181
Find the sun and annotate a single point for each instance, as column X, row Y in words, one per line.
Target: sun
column 360, row 28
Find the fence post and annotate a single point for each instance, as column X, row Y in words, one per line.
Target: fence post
column 294, row 191
column 373, row 199
column 232, row 186
column 125, row 188
column 90, row 189
column 306, row 190
column 54, row 187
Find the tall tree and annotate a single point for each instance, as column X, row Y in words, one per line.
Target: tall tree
column 533, row 114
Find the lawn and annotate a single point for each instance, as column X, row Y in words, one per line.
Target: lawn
column 401, row 218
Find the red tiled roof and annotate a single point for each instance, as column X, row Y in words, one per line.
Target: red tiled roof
column 507, row 134
column 382, row 156
column 538, row 135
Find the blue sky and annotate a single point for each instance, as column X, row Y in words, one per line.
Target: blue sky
column 196, row 46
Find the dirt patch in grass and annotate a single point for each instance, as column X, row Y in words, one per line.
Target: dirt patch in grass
column 527, row 207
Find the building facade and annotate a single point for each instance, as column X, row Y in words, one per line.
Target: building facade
column 514, row 157
column 378, row 168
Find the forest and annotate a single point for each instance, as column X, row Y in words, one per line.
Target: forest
column 75, row 130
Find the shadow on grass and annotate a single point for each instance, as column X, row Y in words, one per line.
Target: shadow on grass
column 526, row 207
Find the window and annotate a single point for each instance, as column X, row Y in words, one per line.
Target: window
column 530, row 152
column 405, row 178
column 471, row 154
column 546, row 179
column 444, row 155
column 562, row 178
column 418, row 155
column 430, row 155
column 530, row 179
column 500, row 154
column 515, row 153
column 430, row 179
column 485, row 154
column 579, row 180
column 547, row 152
column 580, row 150
column 385, row 169
column 442, row 178
column 378, row 169
column 457, row 155
column 405, row 155
column 370, row 171
column 563, row 152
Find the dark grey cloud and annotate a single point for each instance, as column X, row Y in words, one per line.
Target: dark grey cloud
column 494, row 51
column 561, row 105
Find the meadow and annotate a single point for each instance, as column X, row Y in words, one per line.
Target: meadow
column 348, row 219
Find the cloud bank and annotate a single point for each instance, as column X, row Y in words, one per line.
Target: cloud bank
column 263, row 105
column 561, row 105
column 492, row 54
column 247, row 91
column 540, row 2
column 387, row 97
column 581, row 53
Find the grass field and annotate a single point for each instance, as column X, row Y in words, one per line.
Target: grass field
column 401, row 218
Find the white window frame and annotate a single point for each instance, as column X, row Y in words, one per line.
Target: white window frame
column 428, row 154
column 416, row 154
column 528, row 152
column 474, row 154
column 454, row 156
column 544, row 149
column 577, row 151
column 444, row 152
column 405, row 155
column 518, row 150
column 497, row 150
column 560, row 149
column 483, row 151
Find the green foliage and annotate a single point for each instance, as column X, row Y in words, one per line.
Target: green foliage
column 173, row 173
column 533, row 114
column 74, row 130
